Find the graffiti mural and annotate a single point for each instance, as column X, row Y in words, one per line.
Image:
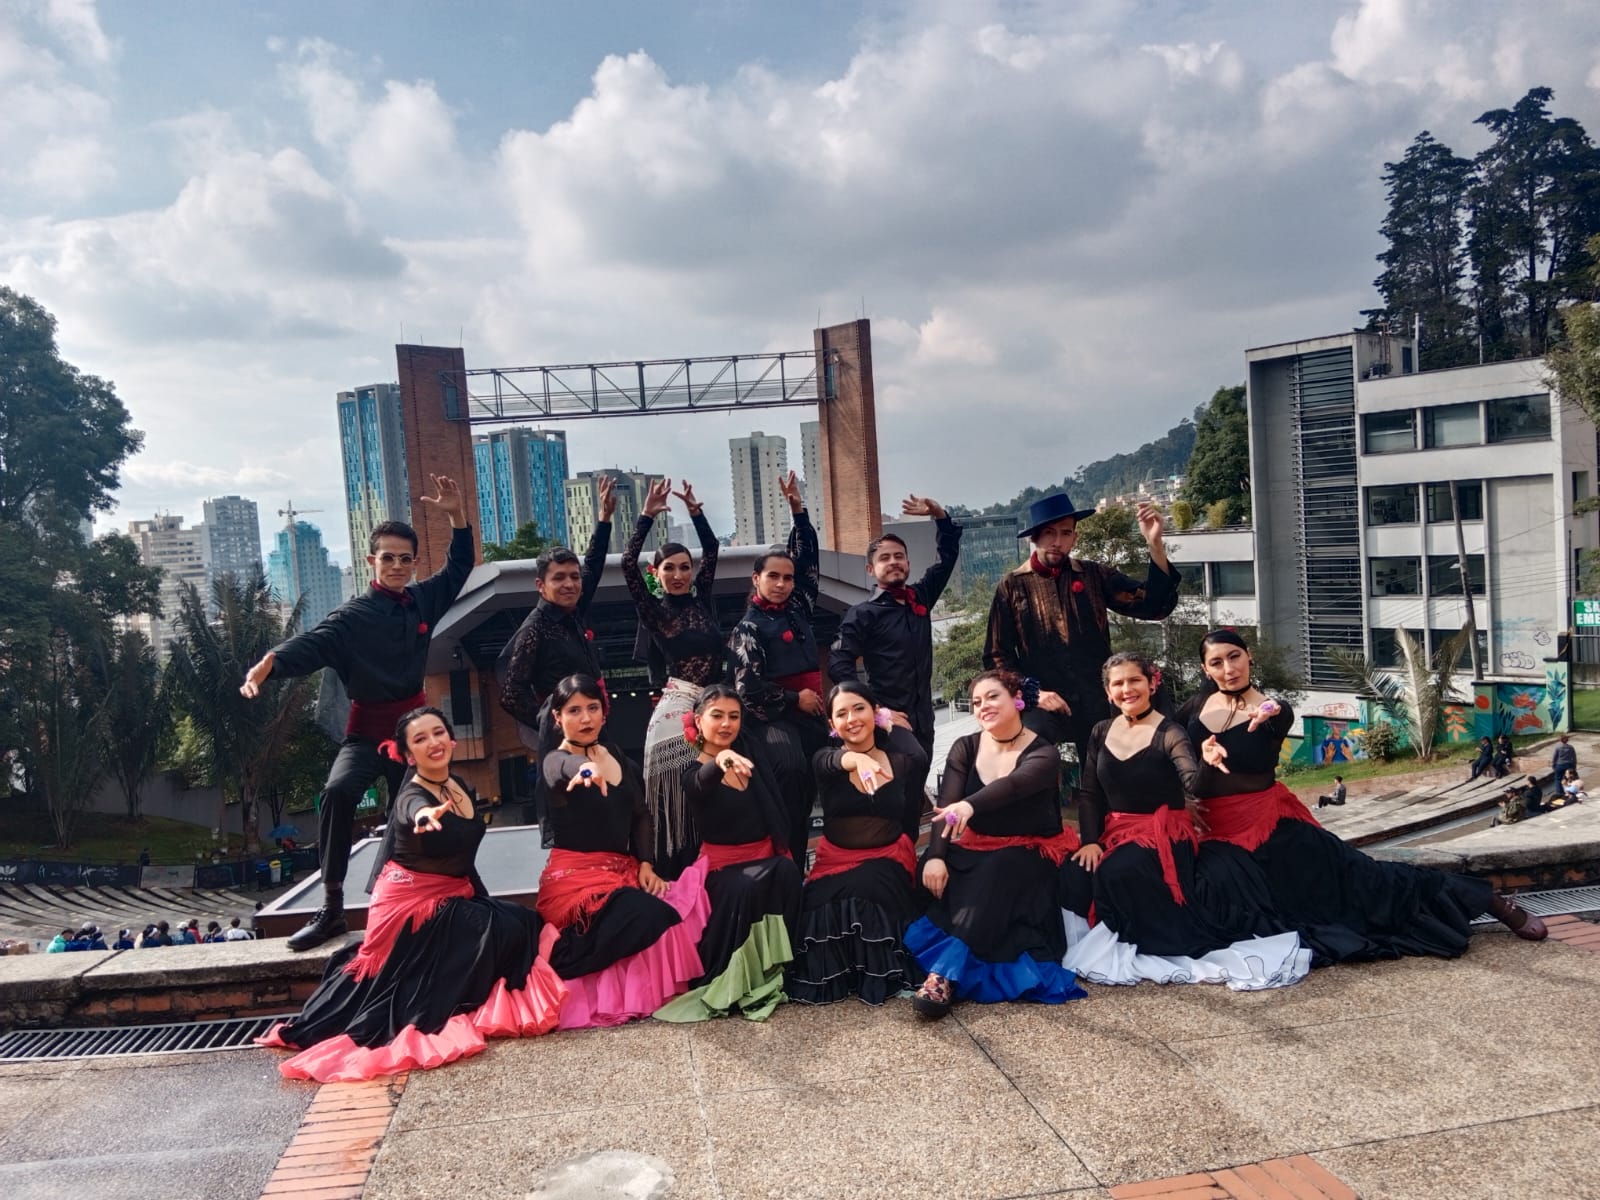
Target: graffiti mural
column 1330, row 740
column 1555, row 693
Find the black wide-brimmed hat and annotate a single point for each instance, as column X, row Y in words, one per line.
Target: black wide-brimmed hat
column 1052, row 508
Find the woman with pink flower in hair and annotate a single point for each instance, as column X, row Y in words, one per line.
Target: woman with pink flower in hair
column 680, row 640
column 861, row 893
column 751, row 880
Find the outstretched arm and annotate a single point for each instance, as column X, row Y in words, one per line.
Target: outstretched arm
column 947, row 543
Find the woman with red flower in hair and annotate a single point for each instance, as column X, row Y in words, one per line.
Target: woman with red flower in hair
column 777, row 669
column 680, row 641
column 443, row 964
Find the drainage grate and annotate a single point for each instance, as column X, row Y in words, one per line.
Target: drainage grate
column 1553, row 903
column 191, row 1037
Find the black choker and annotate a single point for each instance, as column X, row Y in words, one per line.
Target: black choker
column 1134, row 720
column 1235, row 692
column 999, row 741
column 426, row 779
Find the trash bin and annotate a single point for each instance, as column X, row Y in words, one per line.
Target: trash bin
column 288, row 869
column 277, row 871
column 263, row 874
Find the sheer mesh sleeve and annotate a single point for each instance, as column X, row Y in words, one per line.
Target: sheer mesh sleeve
column 1176, row 745
column 1091, row 796
column 1038, row 769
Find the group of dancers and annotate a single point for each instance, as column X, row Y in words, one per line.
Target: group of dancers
column 684, row 888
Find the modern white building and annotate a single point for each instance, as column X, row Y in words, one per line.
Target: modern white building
column 760, row 513
column 811, row 467
column 232, row 541
column 1355, row 458
column 582, row 496
column 180, row 553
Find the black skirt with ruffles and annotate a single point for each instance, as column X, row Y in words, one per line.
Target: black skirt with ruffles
column 740, row 897
column 852, row 935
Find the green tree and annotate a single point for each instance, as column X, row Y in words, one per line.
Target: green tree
column 1575, row 365
column 1219, row 468
column 241, row 738
column 958, row 655
column 137, row 713
column 528, row 543
column 1425, row 261
column 1535, row 202
column 64, row 722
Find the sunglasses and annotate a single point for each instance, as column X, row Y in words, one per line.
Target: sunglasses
column 405, row 560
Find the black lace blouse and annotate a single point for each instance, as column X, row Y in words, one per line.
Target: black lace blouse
column 682, row 629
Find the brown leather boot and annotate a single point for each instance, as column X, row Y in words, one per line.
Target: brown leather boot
column 1518, row 919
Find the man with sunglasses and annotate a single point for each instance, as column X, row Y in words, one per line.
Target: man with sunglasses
column 377, row 644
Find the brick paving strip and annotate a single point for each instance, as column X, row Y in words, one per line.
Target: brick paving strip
column 333, row 1152
column 1574, row 931
column 1297, row 1178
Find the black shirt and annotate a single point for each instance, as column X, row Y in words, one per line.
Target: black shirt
column 1025, row 803
column 377, row 643
column 726, row 816
column 1252, row 757
column 760, row 652
column 854, row 819
column 553, row 642
column 682, row 629
column 582, row 819
column 894, row 644
column 449, row 851
column 1162, row 775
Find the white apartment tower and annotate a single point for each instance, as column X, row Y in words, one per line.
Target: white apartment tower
column 811, row 460
column 760, row 513
column 164, row 542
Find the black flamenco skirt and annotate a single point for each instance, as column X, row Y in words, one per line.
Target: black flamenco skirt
column 629, row 921
column 740, row 897
column 1345, row 905
column 997, row 932
column 852, row 935
column 1132, row 898
column 469, row 971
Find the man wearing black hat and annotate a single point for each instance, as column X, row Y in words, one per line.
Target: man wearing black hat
column 1048, row 620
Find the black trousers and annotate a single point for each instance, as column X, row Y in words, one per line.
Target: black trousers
column 790, row 742
column 355, row 768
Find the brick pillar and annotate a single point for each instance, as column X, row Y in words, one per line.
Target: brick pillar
column 432, row 378
column 848, row 441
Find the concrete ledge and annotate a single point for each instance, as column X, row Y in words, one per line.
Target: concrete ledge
column 1555, row 849
column 130, row 987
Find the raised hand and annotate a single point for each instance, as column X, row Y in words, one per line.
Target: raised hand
column 428, row 819
column 588, row 776
column 655, row 501
column 1150, row 524
column 608, row 497
column 687, row 496
column 790, row 488
column 736, row 769
column 251, row 688
column 922, row 506
column 1264, row 711
column 1216, row 757
column 447, row 498
column 954, row 816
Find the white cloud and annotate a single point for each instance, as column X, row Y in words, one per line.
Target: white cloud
column 51, row 146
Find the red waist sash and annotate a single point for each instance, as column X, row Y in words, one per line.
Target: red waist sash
column 1055, row 847
column 399, row 896
column 1248, row 819
column 800, row 682
column 376, row 720
column 833, row 859
column 575, row 883
column 724, row 855
column 1154, row 831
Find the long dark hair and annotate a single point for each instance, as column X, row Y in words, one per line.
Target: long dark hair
column 668, row 549
column 577, row 685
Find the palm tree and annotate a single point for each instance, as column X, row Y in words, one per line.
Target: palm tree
column 1414, row 699
column 241, row 738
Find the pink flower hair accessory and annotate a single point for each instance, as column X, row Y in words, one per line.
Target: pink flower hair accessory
column 1018, row 703
column 883, row 718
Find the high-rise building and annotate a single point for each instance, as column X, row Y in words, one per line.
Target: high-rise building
column 811, row 465
column 521, row 477
column 372, row 442
column 299, row 567
column 583, row 504
column 164, row 542
column 232, row 541
column 760, row 513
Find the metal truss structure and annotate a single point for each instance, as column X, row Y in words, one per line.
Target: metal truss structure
column 727, row 383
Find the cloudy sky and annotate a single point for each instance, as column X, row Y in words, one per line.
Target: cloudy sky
column 1066, row 220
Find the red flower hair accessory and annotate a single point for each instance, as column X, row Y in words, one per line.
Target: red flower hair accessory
column 391, row 750
column 1155, row 678
column 691, row 731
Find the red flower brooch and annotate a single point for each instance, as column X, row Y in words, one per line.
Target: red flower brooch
column 588, row 635
column 422, row 627
column 788, row 635
column 1077, row 587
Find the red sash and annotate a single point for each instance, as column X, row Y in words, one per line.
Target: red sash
column 832, row 859
column 800, row 681
column 1248, row 819
column 1154, row 831
column 1056, row 847
column 719, row 856
column 375, row 721
column 575, row 883
column 401, row 895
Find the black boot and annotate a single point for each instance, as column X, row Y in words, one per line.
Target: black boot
column 1518, row 919
column 327, row 922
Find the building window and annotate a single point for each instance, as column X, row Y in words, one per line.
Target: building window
column 1385, row 433
column 1520, row 418
column 1396, row 576
column 1580, row 486
column 1392, row 505
column 1451, row 425
column 1438, row 637
column 1444, row 575
column 1439, row 509
column 1386, row 649
column 1233, row 579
